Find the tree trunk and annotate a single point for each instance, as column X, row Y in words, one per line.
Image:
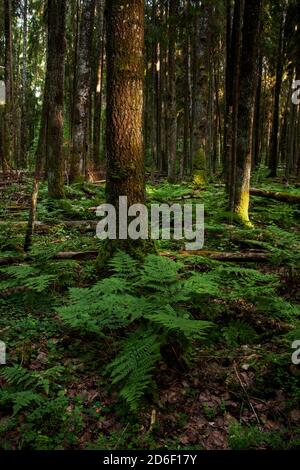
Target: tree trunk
column 98, row 85
column 124, row 115
column 9, row 132
column 248, row 81
column 187, row 93
column 24, row 130
column 199, row 91
column 273, row 162
column 82, row 99
column 172, row 105
column 236, row 45
column 55, row 70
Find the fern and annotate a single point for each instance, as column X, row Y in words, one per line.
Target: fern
column 168, row 319
column 25, row 399
column 17, row 376
column 154, row 300
column 158, row 272
column 124, row 266
column 26, row 276
column 238, row 333
column 135, row 363
column 22, row 379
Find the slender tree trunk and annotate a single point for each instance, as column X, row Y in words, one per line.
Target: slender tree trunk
column 55, row 70
column 273, row 162
column 187, row 93
column 199, row 92
column 248, row 82
column 158, row 91
column 236, row 45
column 172, row 105
column 9, row 132
column 42, row 156
column 98, row 85
column 82, row 99
column 228, row 92
column 24, row 124
column 257, row 117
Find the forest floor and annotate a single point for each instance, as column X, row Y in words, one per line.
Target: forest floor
column 239, row 389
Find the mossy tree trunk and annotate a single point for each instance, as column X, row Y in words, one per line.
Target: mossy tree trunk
column 247, row 86
column 55, row 71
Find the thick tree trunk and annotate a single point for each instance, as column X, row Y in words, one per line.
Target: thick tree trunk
column 124, row 116
column 82, row 99
column 55, row 70
column 248, row 81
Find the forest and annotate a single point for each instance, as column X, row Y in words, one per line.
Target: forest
column 121, row 116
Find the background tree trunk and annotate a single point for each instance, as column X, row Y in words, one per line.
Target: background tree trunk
column 171, row 103
column 9, row 132
column 247, row 87
column 82, row 98
column 55, row 70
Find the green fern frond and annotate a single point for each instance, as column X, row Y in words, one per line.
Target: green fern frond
column 168, row 318
column 159, row 272
column 25, row 399
column 135, row 363
column 124, row 266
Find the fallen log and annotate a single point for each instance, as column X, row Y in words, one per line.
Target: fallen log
column 42, row 227
column 11, row 260
column 277, row 196
column 63, row 255
column 246, row 257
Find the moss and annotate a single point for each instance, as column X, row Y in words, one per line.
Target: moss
column 199, row 165
column 242, row 209
column 199, row 178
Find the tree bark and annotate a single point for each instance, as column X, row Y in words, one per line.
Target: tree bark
column 55, row 70
column 273, row 162
column 24, row 130
column 172, row 105
column 247, row 86
column 9, row 132
column 124, row 115
column 98, row 85
column 82, row 99
column 199, row 92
